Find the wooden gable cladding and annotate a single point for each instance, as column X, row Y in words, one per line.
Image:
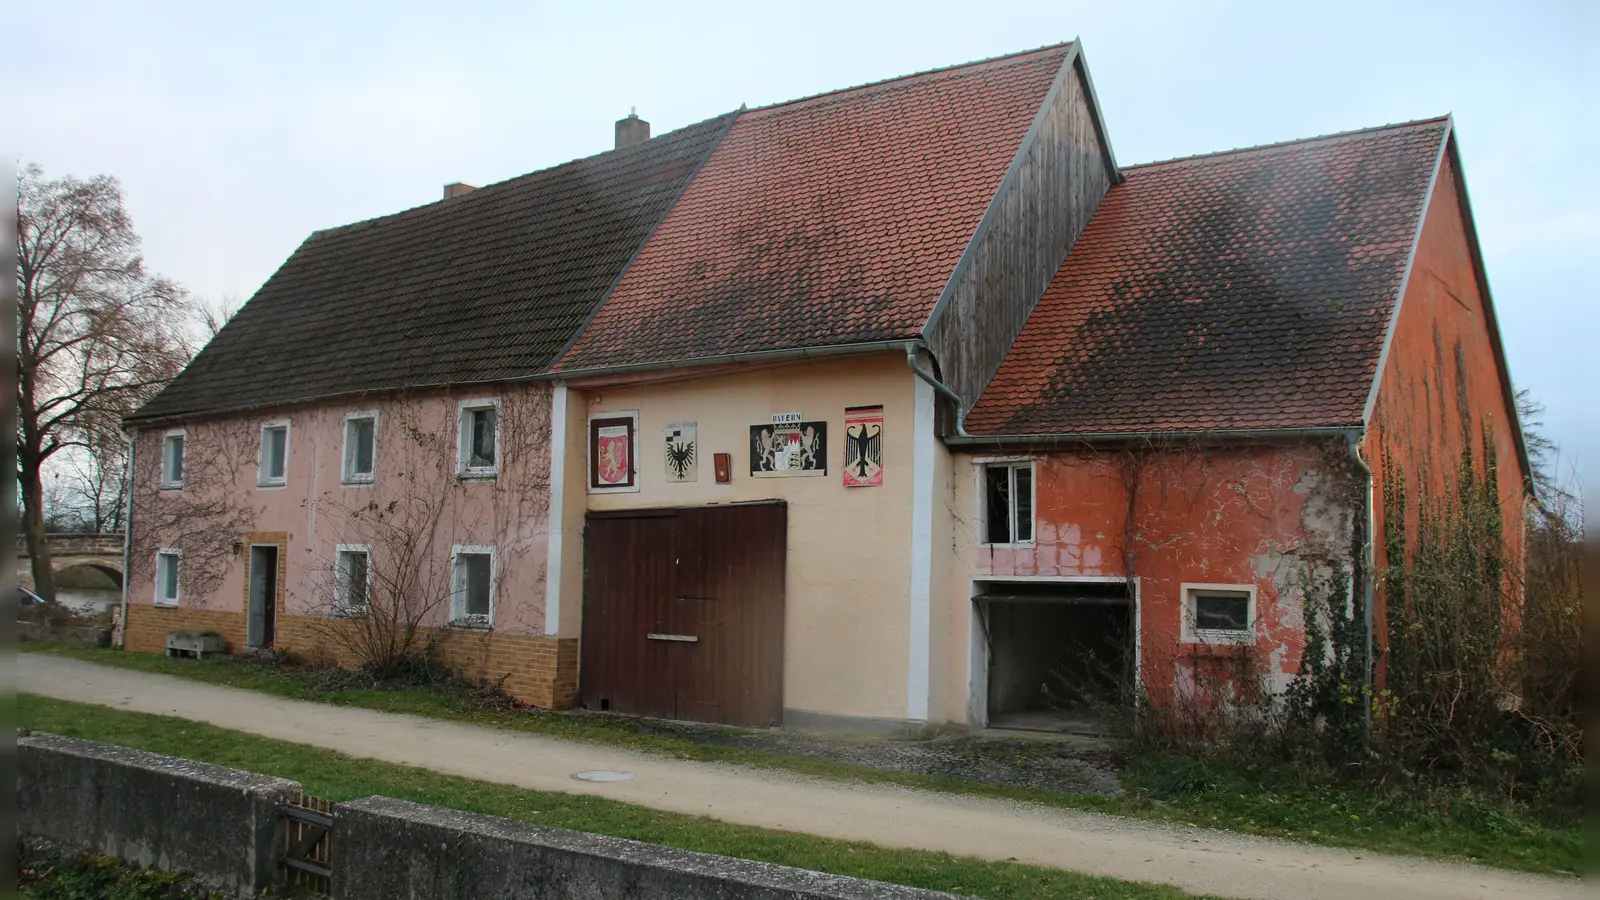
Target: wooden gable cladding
column 1062, row 171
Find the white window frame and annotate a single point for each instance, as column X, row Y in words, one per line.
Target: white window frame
column 983, row 464
column 177, row 555
column 262, row 481
column 169, row 483
column 359, row 479
column 633, row 450
column 458, row 588
column 1192, row 635
column 464, row 436
column 341, row 602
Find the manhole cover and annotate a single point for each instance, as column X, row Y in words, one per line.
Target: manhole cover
column 604, row 775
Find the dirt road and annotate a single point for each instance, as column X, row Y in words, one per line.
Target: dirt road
column 1195, row 859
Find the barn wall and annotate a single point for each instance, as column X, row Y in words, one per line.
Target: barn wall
column 1039, row 211
column 1271, row 517
column 1441, row 382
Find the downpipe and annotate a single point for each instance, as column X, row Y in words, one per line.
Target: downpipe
column 925, row 375
column 1368, row 575
column 127, row 539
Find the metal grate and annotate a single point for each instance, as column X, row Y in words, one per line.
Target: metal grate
column 308, row 843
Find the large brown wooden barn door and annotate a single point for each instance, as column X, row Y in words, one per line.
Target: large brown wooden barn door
column 628, row 575
column 683, row 613
column 731, row 581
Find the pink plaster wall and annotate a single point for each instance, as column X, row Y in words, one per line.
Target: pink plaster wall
column 1272, row 517
column 415, row 487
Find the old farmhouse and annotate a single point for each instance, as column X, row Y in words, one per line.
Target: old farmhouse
column 904, row 403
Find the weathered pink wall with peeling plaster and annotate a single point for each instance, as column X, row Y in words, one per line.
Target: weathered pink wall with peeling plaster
column 1272, row 517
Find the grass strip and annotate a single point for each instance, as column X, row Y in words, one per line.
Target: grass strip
column 339, row 777
column 1272, row 801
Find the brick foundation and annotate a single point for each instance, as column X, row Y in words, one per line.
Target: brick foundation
column 538, row 669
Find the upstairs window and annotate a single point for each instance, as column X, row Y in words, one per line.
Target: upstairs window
column 1008, row 504
column 360, row 448
column 1219, row 613
column 172, row 447
column 168, row 563
column 479, row 452
column 353, row 574
column 472, row 584
column 273, row 469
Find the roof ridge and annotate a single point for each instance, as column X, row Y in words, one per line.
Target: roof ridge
column 1334, row 136
column 910, row 75
column 475, row 193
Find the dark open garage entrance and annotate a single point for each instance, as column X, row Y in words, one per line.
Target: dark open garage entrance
column 1059, row 653
column 683, row 613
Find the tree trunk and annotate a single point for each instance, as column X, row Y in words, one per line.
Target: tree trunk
column 44, row 576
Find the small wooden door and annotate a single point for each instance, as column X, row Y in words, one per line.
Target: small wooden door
column 683, row 613
column 263, row 595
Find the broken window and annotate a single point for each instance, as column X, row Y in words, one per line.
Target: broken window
column 360, row 447
column 1219, row 614
column 479, row 437
column 473, row 594
column 172, row 446
column 1008, row 507
column 274, row 464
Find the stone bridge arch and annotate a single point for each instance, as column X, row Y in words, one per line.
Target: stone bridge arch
column 100, row 554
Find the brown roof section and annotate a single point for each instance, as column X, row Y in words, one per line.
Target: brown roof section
column 1251, row 289
column 832, row 220
column 485, row 286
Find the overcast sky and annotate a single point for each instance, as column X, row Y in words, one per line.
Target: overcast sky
column 237, row 131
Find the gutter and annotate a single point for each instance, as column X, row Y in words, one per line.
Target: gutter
column 1368, row 574
column 961, row 408
column 1098, row 437
column 127, row 539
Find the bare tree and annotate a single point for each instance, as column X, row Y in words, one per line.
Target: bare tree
column 96, row 334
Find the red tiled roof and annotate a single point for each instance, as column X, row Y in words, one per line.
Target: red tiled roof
column 1247, row 289
column 832, row 220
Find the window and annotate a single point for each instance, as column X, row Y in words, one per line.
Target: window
column 1219, row 613
column 273, row 469
column 353, row 580
column 167, row 564
column 1008, row 504
column 479, row 452
column 172, row 445
column 472, row 587
column 360, row 447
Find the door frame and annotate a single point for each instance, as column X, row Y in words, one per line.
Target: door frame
column 270, row 617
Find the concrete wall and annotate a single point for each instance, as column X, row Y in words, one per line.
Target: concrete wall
column 171, row 814
column 391, row 848
column 848, row 589
column 1272, row 518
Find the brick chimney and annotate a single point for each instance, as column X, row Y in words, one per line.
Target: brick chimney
column 632, row 130
column 457, row 188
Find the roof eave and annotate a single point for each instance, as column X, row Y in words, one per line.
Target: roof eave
column 1157, row 437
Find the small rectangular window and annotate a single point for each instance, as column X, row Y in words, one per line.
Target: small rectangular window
column 354, row 577
column 168, row 563
column 479, row 447
column 360, row 447
column 274, row 465
column 473, row 601
column 172, row 447
column 1219, row 613
column 1008, row 504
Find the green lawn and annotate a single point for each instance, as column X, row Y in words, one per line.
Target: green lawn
column 329, row 774
column 1265, row 800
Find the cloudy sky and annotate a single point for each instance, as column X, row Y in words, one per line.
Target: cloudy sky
column 237, row 131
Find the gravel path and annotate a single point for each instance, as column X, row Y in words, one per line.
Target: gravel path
column 1195, row 859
